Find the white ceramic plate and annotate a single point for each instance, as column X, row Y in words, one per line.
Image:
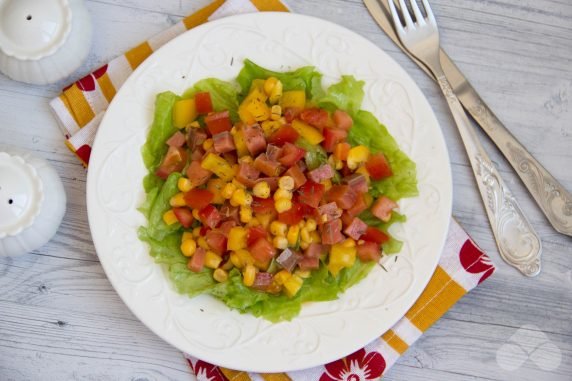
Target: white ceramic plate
column 203, row 326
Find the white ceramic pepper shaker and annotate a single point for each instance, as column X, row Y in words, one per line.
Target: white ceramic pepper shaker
column 43, row 41
column 32, row 202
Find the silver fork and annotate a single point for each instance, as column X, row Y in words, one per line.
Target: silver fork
column 518, row 243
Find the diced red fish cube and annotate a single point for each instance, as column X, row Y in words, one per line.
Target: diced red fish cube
column 332, row 232
column 197, row 174
column 268, row 167
column 323, row 172
column 254, row 138
column 342, row 195
column 223, row 142
column 247, row 174
column 356, row 228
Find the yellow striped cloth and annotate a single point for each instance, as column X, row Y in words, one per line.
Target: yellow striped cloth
column 462, row 266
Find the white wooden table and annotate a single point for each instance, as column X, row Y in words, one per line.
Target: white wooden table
column 60, row 319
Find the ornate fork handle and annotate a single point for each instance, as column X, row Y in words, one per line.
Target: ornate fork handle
column 553, row 199
column 517, row 241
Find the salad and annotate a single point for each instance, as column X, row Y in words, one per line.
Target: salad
column 271, row 191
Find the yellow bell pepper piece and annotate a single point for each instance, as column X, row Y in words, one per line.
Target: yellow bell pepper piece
column 184, row 112
column 311, row 134
column 281, row 277
column 237, row 238
column 218, row 166
column 258, row 110
column 215, row 186
column 256, row 96
column 257, row 84
column 292, row 285
column 342, row 255
column 293, row 98
column 270, row 126
column 240, row 143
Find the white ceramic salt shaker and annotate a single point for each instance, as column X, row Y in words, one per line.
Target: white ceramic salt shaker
column 32, row 202
column 43, row 41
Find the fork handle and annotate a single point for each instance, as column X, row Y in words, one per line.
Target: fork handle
column 518, row 243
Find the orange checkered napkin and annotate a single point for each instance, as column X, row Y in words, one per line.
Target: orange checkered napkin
column 79, row 110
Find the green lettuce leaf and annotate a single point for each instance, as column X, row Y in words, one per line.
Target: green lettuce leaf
column 161, row 130
column 345, row 95
column 224, row 95
column 166, row 250
column 393, row 246
column 305, row 78
column 156, row 227
column 315, row 154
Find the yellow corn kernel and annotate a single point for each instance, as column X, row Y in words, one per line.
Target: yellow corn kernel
column 203, row 243
column 363, row 171
column 215, row 186
column 218, row 166
column 196, row 232
column 208, row 144
column 228, row 190
column 281, row 277
column 327, row 184
column 293, row 234
column 311, row 134
column 265, row 219
column 311, row 224
column 356, row 156
column 237, row 238
column 282, row 204
column 286, row 183
column 240, row 197
column 245, row 214
column 303, row 273
column 253, row 222
column 187, row 236
column 304, row 245
column 295, row 98
column 275, row 112
column 212, row 260
column 269, row 85
column 278, row 228
column 282, row 193
column 245, row 257
column 236, row 261
column 220, row 275
column 301, row 224
column 315, row 237
column 293, row 285
column 194, row 124
column 276, row 94
column 188, row 247
column 169, row 217
column 270, row 126
column 305, row 235
column 280, row 242
column 178, row 200
column 184, row 184
column 184, row 112
column 249, row 274
column 261, row 189
column 349, row 243
column 196, row 215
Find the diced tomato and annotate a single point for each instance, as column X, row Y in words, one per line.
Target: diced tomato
column 342, row 195
column 291, row 113
column 174, row 161
column 268, row 167
column 226, row 226
column 332, row 232
column 291, row 154
column 296, row 173
column 203, row 103
column 316, row 117
column 346, row 219
column 230, row 213
column 178, row 139
column 382, row 208
column 204, row 230
column 198, row 198
column 262, row 205
column 218, row 122
column 375, row 235
column 210, row 216
column 185, row 216
column 368, row 252
column 356, row 228
column 333, row 136
column 309, row 211
column 342, row 120
column 262, row 250
column 359, row 206
column 197, row 174
column 254, row 234
column 378, row 167
column 197, row 261
column 216, row 241
column 282, row 135
column 293, row 215
column 341, row 151
column 311, row 193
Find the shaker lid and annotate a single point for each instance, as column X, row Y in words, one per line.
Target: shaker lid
column 21, row 194
column 32, row 29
